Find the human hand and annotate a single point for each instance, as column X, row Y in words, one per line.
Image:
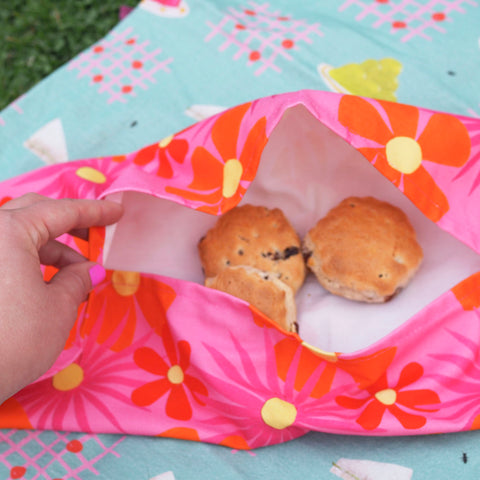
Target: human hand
column 36, row 316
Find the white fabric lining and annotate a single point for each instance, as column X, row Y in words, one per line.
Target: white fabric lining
column 305, row 170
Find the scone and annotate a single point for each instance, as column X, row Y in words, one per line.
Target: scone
column 257, row 237
column 264, row 291
column 363, row 249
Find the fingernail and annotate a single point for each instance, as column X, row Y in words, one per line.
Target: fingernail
column 97, row 274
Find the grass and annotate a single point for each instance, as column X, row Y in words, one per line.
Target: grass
column 38, row 36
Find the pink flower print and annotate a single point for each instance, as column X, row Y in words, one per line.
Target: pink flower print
column 463, row 382
column 254, row 406
column 89, row 394
column 82, row 179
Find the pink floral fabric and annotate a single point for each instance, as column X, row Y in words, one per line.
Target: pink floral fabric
column 143, row 359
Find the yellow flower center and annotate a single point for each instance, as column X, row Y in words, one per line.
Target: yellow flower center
column 68, row 378
column 125, row 283
column 328, row 356
column 387, row 396
column 175, row 375
column 404, row 154
column 278, row 413
column 91, row 174
column 232, row 174
column 163, row 143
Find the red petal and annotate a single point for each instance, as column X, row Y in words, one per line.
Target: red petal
column 386, row 170
column 410, row 374
column 362, row 118
column 403, row 119
column 253, row 148
column 351, row 403
column 117, row 310
column 369, row 369
column 178, row 406
column 412, row 398
column 324, row 383
column 212, row 210
column 164, row 167
column 371, row 153
column 445, row 140
column 407, row 419
column 149, row 360
column 154, row 299
column 207, row 170
column 372, row 415
column 229, row 203
column 178, row 149
column 184, row 354
column 379, row 385
column 209, row 198
column 420, row 187
column 195, row 385
column 146, row 155
column 128, row 332
column 225, row 131
column 169, row 344
column 467, row 292
column 150, row 392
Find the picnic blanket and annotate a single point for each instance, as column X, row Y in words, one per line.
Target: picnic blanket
column 169, row 64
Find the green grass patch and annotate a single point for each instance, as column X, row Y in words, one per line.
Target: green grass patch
column 38, row 36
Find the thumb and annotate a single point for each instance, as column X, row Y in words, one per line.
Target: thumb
column 75, row 281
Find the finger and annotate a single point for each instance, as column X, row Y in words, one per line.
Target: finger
column 81, row 233
column 49, row 219
column 67, row 289
column 23, row 201
column 73, row 282
column 58, row 254
column 32, row 198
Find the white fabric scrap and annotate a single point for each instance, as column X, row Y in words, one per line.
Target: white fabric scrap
column 49, row 143
column 350, row 469
column 164, row 476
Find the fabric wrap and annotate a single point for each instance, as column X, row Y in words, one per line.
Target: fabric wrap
column 152, row 354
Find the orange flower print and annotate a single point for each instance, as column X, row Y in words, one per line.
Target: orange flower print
column 405, row 148
column 383, row 398
column 81, row 246
column 4, row 200
column 467, row 292
column 361, row 369
column 218, row 175
column 12, row 415
column 183, row 433
column 118, row 301
column 168, row 149
column 174, row 380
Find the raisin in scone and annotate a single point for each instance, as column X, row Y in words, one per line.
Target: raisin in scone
column 267, row 293
column 258, row 237
column 363, row 249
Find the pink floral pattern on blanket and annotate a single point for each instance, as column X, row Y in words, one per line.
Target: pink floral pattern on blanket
column 142, row 359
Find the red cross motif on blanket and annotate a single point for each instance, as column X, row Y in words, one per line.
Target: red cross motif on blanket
column 408, row 18
column 50, row 455
column 261, row 36
column 121, row 65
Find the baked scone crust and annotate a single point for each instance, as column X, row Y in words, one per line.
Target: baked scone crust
column 363, row 249
column 258, row 237
column 271, row 296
